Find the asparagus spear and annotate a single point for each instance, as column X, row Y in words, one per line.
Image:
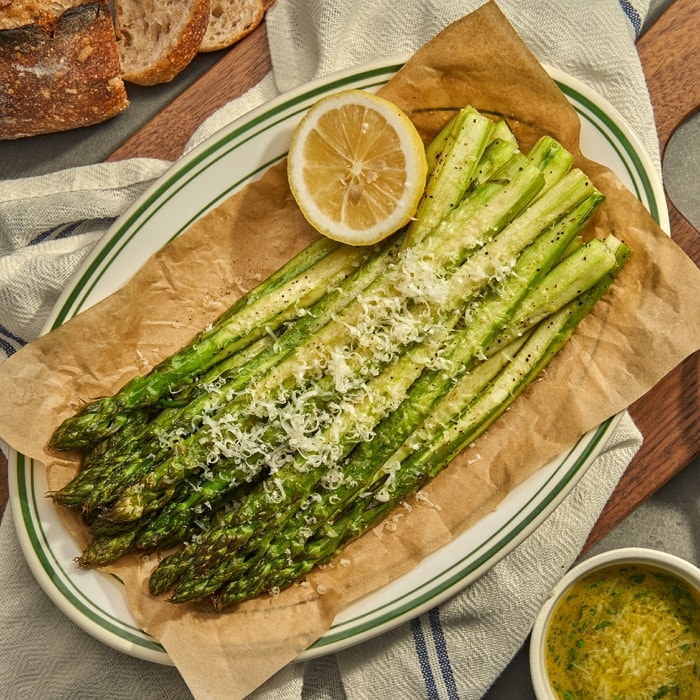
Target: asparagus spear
column 461, row 151
column 551, row 158
column 301, row 281
column 425, row 463
column 490, row 316
column 130, row 454
column 437, row 148
column 510, row 196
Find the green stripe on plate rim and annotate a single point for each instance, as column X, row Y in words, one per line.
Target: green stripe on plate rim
column 606, row 126
column 505, row 534
column 57, row 574
column 201, row 160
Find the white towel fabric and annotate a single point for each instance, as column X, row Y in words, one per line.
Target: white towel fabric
column 49, row 223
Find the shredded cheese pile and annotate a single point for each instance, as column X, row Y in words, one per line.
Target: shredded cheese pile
column 328, row 394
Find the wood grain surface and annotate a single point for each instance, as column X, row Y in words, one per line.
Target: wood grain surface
column 668, row 416
column 166, row 135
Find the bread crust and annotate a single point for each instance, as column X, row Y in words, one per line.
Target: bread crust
column 60, row 73
column 18, row 13
column 153, row 52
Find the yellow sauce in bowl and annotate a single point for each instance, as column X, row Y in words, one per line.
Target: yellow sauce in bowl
column 625, row 632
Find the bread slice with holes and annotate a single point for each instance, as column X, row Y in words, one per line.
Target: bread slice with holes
column 59, row 66
column 230, row 21
column 156, row 39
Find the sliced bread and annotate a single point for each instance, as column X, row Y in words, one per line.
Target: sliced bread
column 158, row 39
column 230, row 21
column 59, row 67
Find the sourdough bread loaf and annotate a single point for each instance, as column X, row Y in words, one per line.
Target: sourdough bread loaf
column 59, row 67
column 63, row 63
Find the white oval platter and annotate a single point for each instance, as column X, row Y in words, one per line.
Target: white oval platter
column 200, row 181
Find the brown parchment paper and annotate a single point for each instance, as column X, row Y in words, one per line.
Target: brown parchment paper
column 648, row 324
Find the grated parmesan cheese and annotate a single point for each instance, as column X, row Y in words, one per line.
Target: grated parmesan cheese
column 333, row 391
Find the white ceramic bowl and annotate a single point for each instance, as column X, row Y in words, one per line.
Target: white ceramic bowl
column 660, row 560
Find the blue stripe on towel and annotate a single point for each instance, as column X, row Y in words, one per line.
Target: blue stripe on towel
column 55, row 233
column 632, row 15
column 6, row 348
column 66, row 230
column 442, row 654
column 9, row 342
column 422, row 653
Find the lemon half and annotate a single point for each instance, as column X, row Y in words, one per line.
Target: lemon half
column 356, row 167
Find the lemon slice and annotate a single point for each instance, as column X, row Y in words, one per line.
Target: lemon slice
column 356, row 167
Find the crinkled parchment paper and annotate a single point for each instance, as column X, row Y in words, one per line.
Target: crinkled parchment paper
column 648, row 324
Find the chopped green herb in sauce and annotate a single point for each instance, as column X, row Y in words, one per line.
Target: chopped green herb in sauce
column 625, row 632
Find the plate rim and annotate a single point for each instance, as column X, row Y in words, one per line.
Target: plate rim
column 64, row 305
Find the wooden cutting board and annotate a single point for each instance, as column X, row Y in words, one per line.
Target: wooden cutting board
column 668, row 416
